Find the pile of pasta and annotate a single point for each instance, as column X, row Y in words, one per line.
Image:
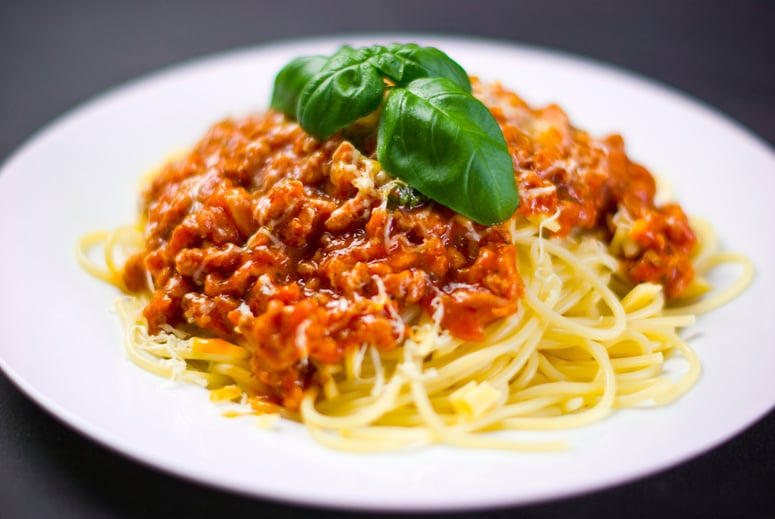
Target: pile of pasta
column 583, row 343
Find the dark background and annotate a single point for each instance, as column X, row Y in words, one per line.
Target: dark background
column 55, row 55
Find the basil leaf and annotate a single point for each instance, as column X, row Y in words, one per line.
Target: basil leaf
column 291, row 80
column 432, row 132
column 403, row 63
column 403, row 195
column 347, row 88
column 446, row 144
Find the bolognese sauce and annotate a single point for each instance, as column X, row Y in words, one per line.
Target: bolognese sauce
column 296, row 248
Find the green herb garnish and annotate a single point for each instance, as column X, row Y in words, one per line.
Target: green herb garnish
column 433, row 134
column 401, row 194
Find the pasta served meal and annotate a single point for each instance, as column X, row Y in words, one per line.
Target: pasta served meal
column 404, row 255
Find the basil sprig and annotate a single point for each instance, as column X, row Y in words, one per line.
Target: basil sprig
column 433, row 133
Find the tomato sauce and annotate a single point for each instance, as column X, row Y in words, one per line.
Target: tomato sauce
column 592, row 184
column 269, row 238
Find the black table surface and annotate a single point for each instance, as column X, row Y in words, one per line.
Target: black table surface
column 55, row 55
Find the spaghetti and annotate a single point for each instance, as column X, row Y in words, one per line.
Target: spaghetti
column 281, row 273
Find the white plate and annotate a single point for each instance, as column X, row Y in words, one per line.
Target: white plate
column 62, row 346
